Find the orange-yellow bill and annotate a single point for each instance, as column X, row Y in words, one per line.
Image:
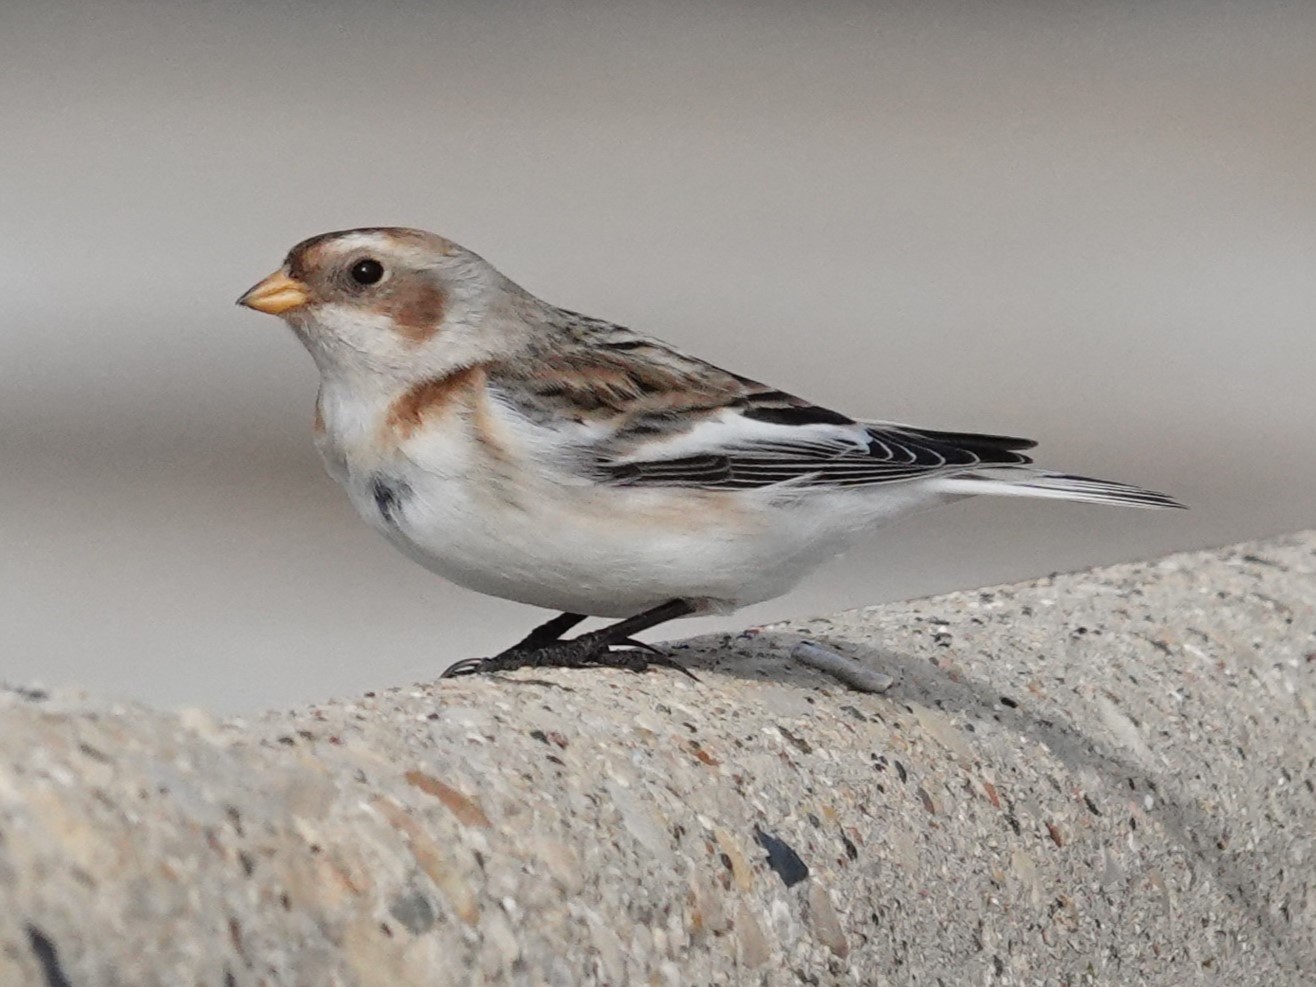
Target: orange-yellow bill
column 275, row 295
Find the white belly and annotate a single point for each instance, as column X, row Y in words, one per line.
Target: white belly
column 595, row 552
column 613, row 551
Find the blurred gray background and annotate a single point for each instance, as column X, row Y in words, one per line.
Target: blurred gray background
column 1091, row 223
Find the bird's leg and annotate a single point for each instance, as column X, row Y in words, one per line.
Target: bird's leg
column 609, row 647
column 546, row 633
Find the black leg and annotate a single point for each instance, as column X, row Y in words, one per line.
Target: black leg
column 543, row 648
column 547, row 632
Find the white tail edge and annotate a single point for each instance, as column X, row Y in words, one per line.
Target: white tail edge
column 1022, row 481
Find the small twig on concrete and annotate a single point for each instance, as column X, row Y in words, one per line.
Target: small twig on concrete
column 845, row 670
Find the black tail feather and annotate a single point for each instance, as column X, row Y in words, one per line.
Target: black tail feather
column 974, row 441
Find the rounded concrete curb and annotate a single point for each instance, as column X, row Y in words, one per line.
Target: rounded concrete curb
column 1095, row 778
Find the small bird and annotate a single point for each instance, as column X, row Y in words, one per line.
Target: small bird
column 536, row 454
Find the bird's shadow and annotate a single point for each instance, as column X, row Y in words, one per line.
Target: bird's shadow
column 766, row 656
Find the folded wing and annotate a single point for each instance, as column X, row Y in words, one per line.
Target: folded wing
column 631, row 410
column 758, row 445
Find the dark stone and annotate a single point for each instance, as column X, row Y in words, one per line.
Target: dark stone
column 415, row 911
column 48, row 956
column 782, row 858
column 851, row 850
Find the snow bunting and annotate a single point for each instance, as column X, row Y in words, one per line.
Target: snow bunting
column 544, row 456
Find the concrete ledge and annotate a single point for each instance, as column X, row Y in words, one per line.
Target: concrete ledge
column 1098, row 778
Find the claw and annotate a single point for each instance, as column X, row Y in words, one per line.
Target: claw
column 667, row 662
column 467, row 666
column 630, row 642
column 642, row 663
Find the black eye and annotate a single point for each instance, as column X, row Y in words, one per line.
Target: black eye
column 367, row 271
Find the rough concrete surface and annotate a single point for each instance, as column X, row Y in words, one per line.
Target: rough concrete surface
column 1094, row 778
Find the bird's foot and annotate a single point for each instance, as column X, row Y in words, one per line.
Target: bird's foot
column 597, row 649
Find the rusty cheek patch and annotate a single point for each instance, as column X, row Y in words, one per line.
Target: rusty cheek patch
column 430, row 399
column 416, row 310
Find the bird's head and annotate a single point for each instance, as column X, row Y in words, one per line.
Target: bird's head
column 386, row 302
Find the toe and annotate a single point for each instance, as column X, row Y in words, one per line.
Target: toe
column 467, row 666
column 630, row 642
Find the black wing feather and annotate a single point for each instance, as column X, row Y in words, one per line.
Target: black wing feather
column 894, row 453
column 973, row 440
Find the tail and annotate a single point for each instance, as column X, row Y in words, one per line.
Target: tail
column 1023, row 481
